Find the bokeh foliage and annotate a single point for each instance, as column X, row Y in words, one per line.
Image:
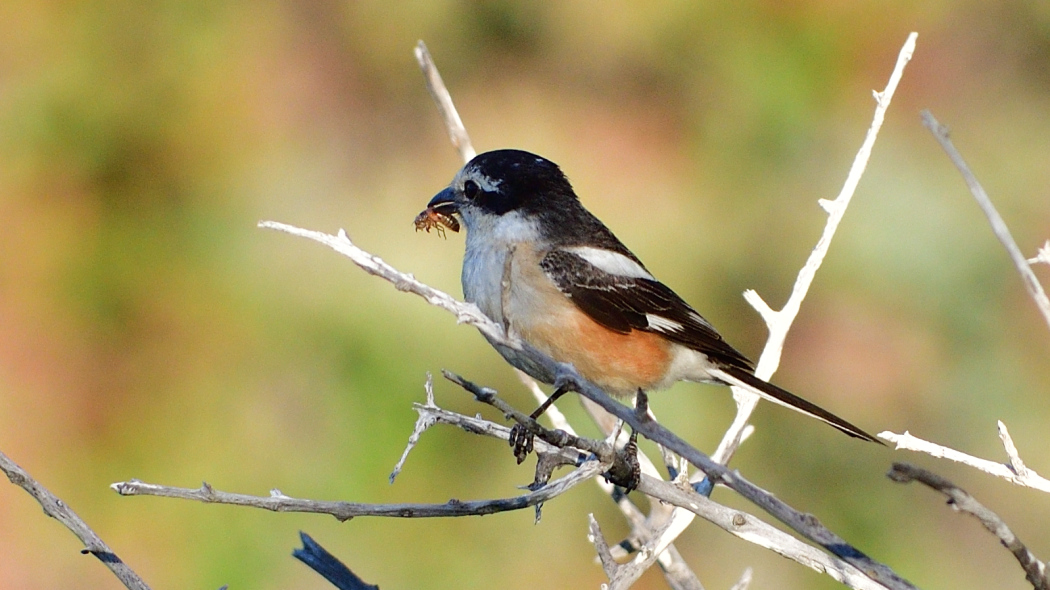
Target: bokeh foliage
column 148, row 330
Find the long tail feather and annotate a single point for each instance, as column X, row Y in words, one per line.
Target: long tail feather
column 742, row 378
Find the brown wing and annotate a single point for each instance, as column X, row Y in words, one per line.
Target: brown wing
column 623, row 303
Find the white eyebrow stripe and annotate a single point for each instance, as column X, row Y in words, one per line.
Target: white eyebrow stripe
column 489, row 185
column 611, row 262
column 662, row 324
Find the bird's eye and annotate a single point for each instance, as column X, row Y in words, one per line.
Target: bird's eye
column 470, row 189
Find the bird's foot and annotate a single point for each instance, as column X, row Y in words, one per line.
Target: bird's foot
column 630, row 455
column 627, row 472
column 521, row 440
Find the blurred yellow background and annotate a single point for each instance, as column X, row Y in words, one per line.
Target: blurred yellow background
column 149, row 330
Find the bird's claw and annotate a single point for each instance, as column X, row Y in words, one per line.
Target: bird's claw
column 521, row 440
column 627, row 472
column 630, row 455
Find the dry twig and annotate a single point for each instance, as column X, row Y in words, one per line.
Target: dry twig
column 806, row 525
column 321, row 561
column 779, row 322
column 456, row 131
column 1043, row 255
column 278, row 502
column 55, row 508
column 1016, row 472
column 958, row 499
column 676, row 570
column 1031, row 283
column 736, row 522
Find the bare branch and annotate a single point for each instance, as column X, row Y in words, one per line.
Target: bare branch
column 1011, row 452
column 804, row 524
column 430, row 414
column 55, row 508
column 808, row 527
column 321, row 561
column 658, row 543
column 744, row 581
column 1035, row 570
column 779, row 322
column 558, row 438
column 456, row 131
column 753, row 530
column 466, row 313
column 621, row 576
column 1042, row 256
column 741, row 524
column 278, row 502
column 1031, row 283
column 424, row 422
column 1016, row 472
column 601, row 547
column 677, row 572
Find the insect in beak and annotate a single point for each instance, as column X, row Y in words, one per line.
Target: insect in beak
column 431, row 218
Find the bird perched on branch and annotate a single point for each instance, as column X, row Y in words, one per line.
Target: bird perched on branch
column 553, row 275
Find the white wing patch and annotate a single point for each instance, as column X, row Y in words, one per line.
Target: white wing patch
column 611, row 262
column 700, row 319
column 662, row 324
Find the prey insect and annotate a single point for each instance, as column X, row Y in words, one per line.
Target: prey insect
column 430, row 218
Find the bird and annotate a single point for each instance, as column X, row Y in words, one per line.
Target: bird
column 537, row 262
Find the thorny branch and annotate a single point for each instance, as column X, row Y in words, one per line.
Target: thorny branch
column 456, row 131
column 430, row 414
column 1016, row 472
column 55, row 508
column 779, row 322
column 278, row 502
column 677, row 572
column 324, row 563
column 1031, row 283
column 642, row 539
column 958, row 499
column 736, row 522
column 807, row 527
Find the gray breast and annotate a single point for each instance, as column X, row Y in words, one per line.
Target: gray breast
column 482, row 275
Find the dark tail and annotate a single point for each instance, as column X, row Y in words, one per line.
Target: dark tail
column 742, row 378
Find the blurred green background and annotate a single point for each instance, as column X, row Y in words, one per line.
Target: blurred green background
column 149, row 330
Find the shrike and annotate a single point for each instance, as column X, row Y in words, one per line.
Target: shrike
column 554, row 276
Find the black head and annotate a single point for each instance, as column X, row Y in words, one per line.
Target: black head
column 501, row 181
column 504, row 182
